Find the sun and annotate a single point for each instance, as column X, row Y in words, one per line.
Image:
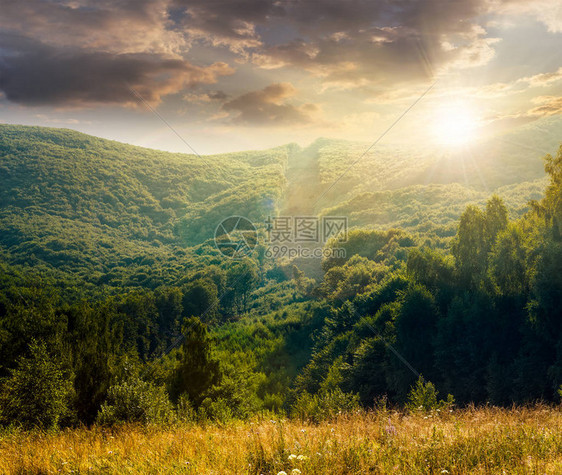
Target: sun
column 454, row 125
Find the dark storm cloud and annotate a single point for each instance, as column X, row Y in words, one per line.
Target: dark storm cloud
column 85, row 50
column 347, row 42
column 32, row 73
column 230, row 23
column 269, row 107
column 118, row 26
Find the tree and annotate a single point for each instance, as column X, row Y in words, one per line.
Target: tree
column 96, row 339
column 469, row 247
column 496, row 219
column 476, row 235
column 198, row 368
column 170, row 309
column 508, row 262
column 435, row 272
column 200, row 299
column 415, row 330
column 551, row 205
column 242, row 279
column 38, row 391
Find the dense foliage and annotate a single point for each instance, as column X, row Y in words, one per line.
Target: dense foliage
column 107, row 314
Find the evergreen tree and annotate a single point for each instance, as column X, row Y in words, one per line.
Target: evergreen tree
column 198, row 368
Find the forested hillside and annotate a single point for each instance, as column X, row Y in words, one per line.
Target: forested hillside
column 74, row 205
column 107, row 212
column 116, row 306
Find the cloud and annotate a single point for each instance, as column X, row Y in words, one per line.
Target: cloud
column 548, row 105
column 543, row 79
column 503, row 89
column 81, row 52
column 548, row 12
column 353, row 43
column 268, row 106
column 122, row 26
column 212, row 96
column 32, row 73
column 84, row 52
column 226, row 23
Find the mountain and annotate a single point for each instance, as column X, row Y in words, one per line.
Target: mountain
column 107, row 212
column 95, row 208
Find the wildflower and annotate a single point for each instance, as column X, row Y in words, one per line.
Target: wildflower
column 390, row 429
column 292, row 457
column 444, row 471
column 295, row 471
column 282, row 473
column 302, row 457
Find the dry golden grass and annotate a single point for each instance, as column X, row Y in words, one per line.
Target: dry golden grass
column 488, row 440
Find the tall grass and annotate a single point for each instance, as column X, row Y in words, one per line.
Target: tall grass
column 484, row 440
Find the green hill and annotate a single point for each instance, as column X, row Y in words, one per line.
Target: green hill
column 102, row 210
column 106, row 212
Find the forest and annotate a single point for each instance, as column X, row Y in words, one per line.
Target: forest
column 116, row 307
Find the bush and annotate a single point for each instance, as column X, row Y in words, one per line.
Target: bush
column 184, row 409
column 135, row 400
column 37, row 394
column 423, row 398
column 324, row 405
column 217, row 410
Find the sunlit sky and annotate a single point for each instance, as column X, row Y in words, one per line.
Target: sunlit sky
column 250, row 74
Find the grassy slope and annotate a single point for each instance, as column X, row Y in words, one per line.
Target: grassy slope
column 487, row 440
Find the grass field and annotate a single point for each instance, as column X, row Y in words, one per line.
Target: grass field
column 485, row 440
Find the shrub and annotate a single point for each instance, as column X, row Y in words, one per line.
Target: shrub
column 324, row 405
column 423, row 397
column 217, row 410
column 135, row 400
column 184, row 409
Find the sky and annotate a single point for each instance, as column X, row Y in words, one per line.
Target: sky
column 217, row 76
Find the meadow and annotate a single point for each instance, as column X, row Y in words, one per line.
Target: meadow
column 461, row 441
